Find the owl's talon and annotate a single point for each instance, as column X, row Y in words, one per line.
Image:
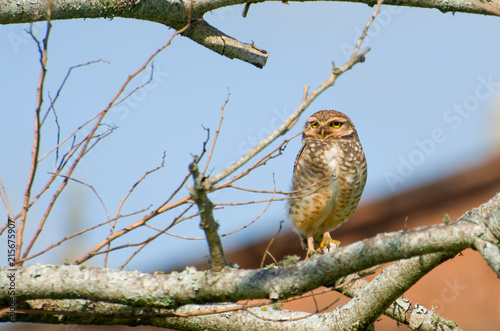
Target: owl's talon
column 311, row 254
column 328, row 245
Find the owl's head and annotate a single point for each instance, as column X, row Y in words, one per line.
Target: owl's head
column 329, row 124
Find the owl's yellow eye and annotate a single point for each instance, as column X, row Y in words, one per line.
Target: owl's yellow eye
column 336, row 124
column 314, row 125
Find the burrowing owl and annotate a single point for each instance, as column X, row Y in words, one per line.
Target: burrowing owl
column 328, row 179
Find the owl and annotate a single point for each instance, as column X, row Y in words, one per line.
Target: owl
column 329, row 176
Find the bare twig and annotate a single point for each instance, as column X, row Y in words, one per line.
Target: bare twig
column 141, row 222
column 122, row 202
column 150, row 239
column 273, row 154
column 6, row 203
column 78, row 234
column 41, row 225
column 36, row 141
column 58, row 191
column 266, row 252
column 217, row 132
column 58, row 93
column 137, row 88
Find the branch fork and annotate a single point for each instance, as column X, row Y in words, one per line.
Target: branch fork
column 208, row 224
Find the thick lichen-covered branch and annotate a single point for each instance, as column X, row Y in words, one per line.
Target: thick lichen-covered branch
column 382, row 295
column 392, row 282
column 201, row 290
column 230, row 284
column 223, row 316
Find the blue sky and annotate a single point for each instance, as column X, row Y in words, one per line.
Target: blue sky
column 423, row 103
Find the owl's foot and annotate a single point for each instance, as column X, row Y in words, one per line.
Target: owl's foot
column 310, row 245
column 328, row 245
column 310, row 254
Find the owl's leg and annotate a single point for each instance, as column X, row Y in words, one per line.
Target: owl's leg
column 310, row 244
column 328, row 244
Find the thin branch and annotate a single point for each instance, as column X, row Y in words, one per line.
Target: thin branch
column 6, row 203
column 137, row 88
column 70, row 136
column 150, row 239
column 42, row 223
column 60, row 189
column 291, row 195
column 36, row 141
column 263, row 161
column 58, row 93
column 58, row 134
column 217, row 132
column 80, row 233
column 141, row 222
column 266, row 252
column 94, row 251
column 122, row 202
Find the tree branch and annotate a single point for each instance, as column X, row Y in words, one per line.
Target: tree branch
column 208, row 224
column 171, row 13
column 227, row 316
column 380, row 296
column 174, row 14
column 42, row 48
column 135, row 289
column 210, row 37
column 190, row 286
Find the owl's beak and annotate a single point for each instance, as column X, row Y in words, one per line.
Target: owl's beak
column 322, row 133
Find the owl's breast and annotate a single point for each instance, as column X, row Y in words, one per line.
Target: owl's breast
column 315, row 184
column 322, row 157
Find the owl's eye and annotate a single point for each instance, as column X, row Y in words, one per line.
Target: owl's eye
column 314, row 125
column 336, row 124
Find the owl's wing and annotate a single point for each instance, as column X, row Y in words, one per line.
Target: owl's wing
column 298, row 158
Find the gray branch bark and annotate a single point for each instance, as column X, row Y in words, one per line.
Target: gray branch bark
column 208, row 223
column 357, row 315
column 77, row 312
column 382, row 296
column 478, row 228
column 174, row 14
